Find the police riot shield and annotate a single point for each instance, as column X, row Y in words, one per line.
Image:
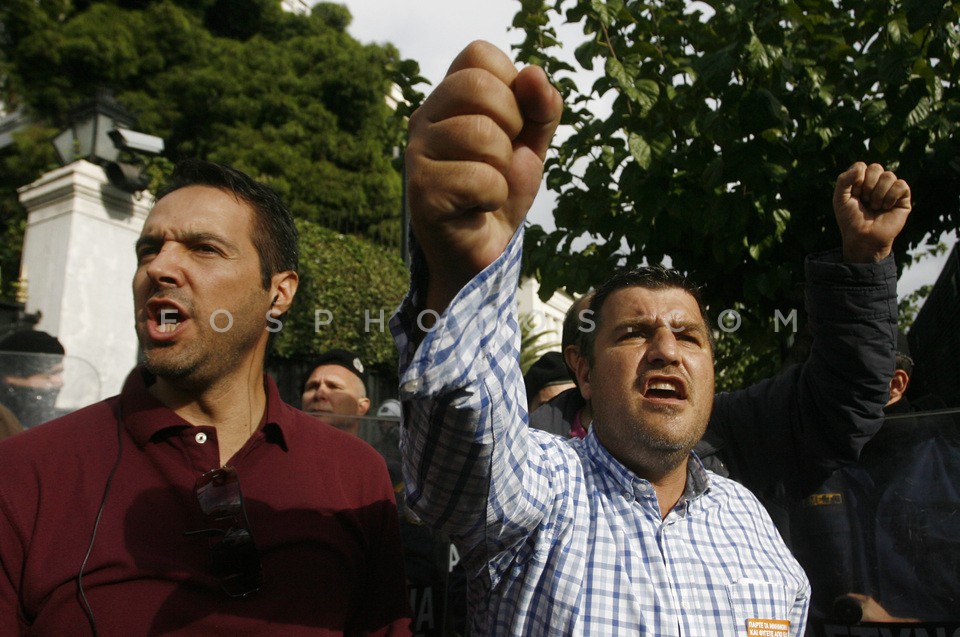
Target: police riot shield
column 381, row 432
column 37, row 388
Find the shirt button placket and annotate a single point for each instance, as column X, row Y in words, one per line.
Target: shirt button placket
column 201, row 446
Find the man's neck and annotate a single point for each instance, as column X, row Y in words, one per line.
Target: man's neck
column 234, row 405
column 665, row 471
column 669, row 488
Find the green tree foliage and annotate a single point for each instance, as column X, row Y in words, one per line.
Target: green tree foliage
column 293, row 100
column 355, row 286
column 726, row 134
column 909, row 306
column 18, row 165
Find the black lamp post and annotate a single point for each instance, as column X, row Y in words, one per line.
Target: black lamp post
column 101, row 132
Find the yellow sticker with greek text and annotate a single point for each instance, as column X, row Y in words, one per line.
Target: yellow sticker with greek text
column 768, row 628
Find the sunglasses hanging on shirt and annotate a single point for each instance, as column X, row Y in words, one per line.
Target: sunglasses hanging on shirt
column 235, row 559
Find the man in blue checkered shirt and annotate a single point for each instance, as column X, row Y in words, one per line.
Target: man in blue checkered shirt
column 622, row 532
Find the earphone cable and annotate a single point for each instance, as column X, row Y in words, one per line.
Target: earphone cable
column 93, row 536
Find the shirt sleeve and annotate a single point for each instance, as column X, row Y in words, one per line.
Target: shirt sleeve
column 467, row 463
column 795, row 429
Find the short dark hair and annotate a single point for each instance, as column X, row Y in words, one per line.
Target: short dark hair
column 654, row 277
column 904, row 363
column 903, row 360
column 572, row 333
column 274, row 233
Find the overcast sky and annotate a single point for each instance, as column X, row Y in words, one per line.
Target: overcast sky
column 432, row 32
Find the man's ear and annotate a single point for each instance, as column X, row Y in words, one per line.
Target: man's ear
column 282, row 290
column 898, row 386
column 583, row 375
column 363, row 406
column 571, row 354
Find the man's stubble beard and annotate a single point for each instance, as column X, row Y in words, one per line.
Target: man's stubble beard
column 205, row 359
column 656, row 449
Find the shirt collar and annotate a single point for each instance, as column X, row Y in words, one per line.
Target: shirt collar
column 144, row 416
column 698, row 480
column 617, row 477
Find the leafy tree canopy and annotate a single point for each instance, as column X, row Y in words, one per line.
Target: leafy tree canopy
column 348, row 289
column 727, row 131
column 292, row 100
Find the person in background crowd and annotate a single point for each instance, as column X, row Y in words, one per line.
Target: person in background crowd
column 389, row 415
column 335, row 390
column 390, row 409
column 879, row 538
column 546, row 378
column 31, row 376
column 196, row 502
column 623, row 531
column 567, row 413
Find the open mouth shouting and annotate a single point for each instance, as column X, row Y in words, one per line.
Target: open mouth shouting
column 165, row 318
column 664, row 389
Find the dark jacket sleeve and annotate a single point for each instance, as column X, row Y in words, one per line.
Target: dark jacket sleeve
column 793, row 430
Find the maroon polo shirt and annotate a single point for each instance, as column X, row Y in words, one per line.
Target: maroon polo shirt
column 319, row 502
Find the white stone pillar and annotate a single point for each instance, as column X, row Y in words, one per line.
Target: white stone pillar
column 79, row 261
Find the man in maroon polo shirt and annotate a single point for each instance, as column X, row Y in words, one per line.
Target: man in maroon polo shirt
column 196, row 502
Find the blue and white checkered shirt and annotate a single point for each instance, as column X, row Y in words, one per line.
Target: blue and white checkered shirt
column 557, row 536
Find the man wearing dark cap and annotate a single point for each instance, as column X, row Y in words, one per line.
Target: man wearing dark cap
column 336, row 390
column 31, row 368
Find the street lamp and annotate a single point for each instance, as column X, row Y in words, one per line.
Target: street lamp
column 101, row 132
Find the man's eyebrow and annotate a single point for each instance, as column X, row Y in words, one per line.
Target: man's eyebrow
column 688, row 325
column 190, row 238
column 147, row 240
column 634, row 322
column 674, row 323
column 205, row 237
